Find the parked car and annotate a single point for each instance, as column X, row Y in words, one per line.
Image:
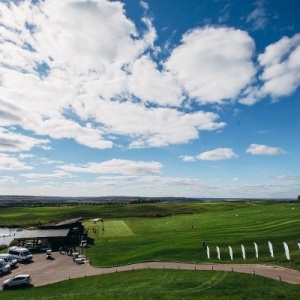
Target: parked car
column 20, row 254
column 4, row 267
column 9, row 259
column 19, row 280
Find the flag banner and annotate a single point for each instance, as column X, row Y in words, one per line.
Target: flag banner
column 208, row 253
column 230, row 252
column 243, row 251
column 287, row 251
column 271, row 249
column 256, row 250
column 299, row 246
column 218, row 252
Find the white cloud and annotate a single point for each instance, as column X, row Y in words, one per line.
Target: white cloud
column 213, row 64
column 92, row 99
column 7, row 180
column 258, row 17
column 10, row 163
column 236, row 179
column 154, row 127
column 286, row 177
column 46, row 176
column 217, row 154
column 25, row 156
column 46, row 161
column 256, row 149
column 281, row 63
column 152, row 85
column 14, row 142
column 187, row 158
column 144, row 4
column 116, row 166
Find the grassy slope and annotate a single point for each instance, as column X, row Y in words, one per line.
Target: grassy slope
column 161, row 284
column 180, row 237
column 31, row 215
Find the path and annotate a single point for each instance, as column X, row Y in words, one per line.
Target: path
column 45, row 271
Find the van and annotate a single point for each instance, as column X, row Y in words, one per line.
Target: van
column 8, row 259
column 20, row 254
column 4, row 267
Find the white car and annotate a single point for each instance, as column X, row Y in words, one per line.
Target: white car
column 19, row 280
column 8, row 259
column 4, row 267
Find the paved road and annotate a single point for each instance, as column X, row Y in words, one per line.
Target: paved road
column 45, row 271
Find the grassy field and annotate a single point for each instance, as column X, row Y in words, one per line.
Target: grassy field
column 160, row 284
column 180, row 237
column 30, row 216
column 173, row 232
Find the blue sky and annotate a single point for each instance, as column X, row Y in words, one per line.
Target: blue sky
column 150, row 98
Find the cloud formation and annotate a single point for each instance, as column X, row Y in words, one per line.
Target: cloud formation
column 10, row 163
column 15, row 142
column 256, row 149
column 213, row 64
column 280, row 76
column 217, row 154
column 82, row 72
column 116, row 166
column 258, row 17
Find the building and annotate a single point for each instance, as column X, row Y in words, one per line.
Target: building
column 67, row 233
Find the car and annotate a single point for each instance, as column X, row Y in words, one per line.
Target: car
column 4, row 267
column 20, row 254
column 18, row 280
column 8, row 259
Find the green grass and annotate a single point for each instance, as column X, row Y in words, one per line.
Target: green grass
column 135, row 233
column 25, row 216
column 161, row 284
column 173, row 232
column 180, row 237
column 112, row 228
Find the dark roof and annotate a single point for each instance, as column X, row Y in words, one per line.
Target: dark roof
column 46, row 233
column 68, row 222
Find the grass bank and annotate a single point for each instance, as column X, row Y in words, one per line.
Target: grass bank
column 161, row 284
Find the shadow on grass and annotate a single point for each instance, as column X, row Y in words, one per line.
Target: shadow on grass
column 19, row 287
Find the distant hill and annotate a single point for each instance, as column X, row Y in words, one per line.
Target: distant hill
column 20, row 200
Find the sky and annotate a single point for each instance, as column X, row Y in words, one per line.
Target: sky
column 169, row 98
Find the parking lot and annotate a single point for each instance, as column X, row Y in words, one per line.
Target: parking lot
column 45, row 271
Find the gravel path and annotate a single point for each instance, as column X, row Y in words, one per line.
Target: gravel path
column 45, row 271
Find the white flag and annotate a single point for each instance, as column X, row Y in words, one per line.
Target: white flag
column 230, row 252
column 271, row 249
column 299, row 246
column 256, row 250
column 208, row 253
column 218, row 252
column 287, row 252
column 243, row 251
